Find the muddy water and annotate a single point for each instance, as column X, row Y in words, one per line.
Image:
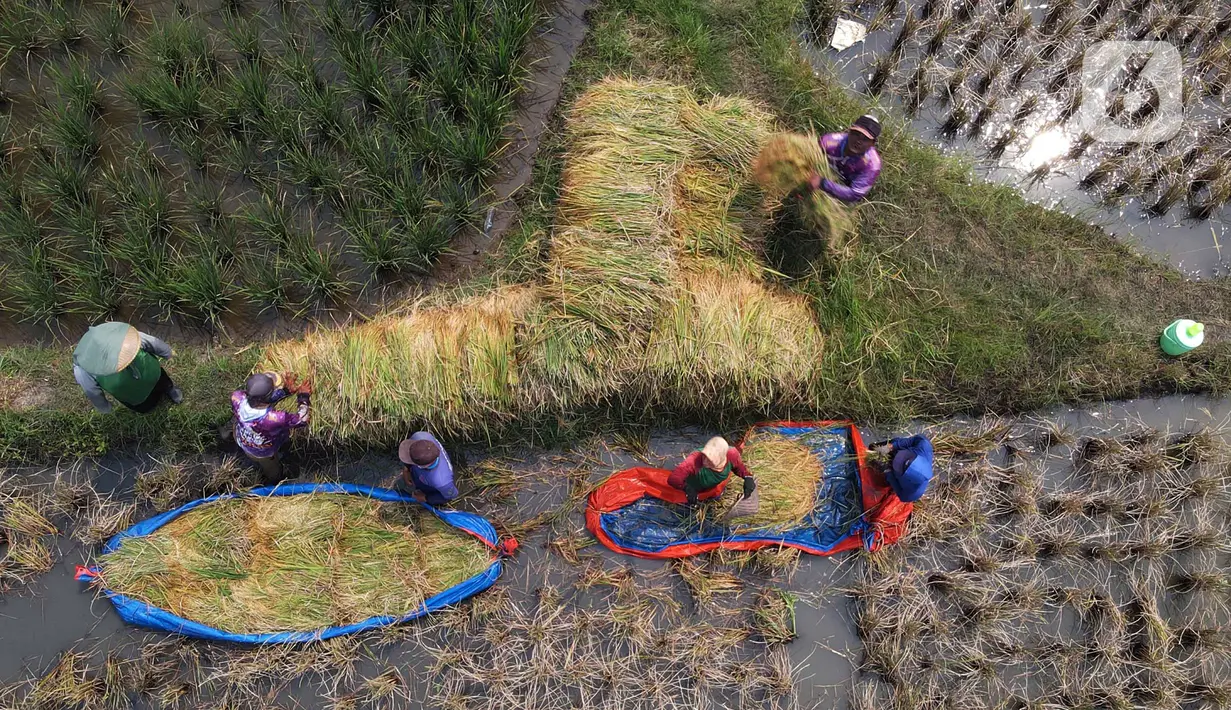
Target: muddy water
column 55, row 613
column 1196, row 247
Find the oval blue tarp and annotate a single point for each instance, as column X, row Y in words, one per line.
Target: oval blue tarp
column 140, row 613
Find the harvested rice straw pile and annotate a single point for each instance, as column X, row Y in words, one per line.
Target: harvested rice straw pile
column 729, row 130
column 731, row 341
column 455, row 364
column 613, row 254
column 788, row 476
column 786, row 162
column 657, row 189
column 301, row 563
column 718, row 216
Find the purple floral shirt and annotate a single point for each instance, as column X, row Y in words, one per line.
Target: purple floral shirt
column 859, row 174
column 261, row 431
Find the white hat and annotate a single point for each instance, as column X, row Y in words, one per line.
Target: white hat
column 715, row 453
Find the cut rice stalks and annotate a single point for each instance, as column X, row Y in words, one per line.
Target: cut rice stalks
column 786, row 163
column 783, row 168
column 653, row 259
column 788, row 475
column 302, row 562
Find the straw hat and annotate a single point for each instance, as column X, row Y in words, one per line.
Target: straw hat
column 715, row 453
column 107, row 348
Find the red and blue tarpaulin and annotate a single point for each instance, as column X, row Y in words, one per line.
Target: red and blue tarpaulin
column 635, row 512
column 142, row 614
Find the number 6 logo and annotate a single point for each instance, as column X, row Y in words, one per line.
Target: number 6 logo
column 1132, row 92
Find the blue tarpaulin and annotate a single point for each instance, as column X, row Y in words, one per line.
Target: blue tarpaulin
column 142, row 614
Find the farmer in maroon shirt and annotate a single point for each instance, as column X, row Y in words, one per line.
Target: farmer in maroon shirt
column 261, row 430
column 853, row 156
column 702, row 470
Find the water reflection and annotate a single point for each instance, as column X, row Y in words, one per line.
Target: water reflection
column 1044, row 148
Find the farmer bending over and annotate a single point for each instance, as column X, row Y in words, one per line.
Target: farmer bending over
column 428, row 473
column 118, row 359
column 909, row 468
column 703, row 470
column 853, row 157
column 261, row 430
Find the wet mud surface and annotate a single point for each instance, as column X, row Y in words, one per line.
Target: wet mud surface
column 571, row 624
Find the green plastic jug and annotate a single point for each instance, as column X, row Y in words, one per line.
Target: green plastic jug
column 1181, row 336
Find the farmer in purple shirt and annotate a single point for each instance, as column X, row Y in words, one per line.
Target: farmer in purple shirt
column 261, row 430
column 853, row 156
column 428, row 473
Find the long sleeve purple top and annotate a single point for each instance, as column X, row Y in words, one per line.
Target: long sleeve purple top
column 858, row 174
column 261, row 431
column 436, row 482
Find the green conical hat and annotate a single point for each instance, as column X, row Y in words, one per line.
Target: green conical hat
column 107, row 348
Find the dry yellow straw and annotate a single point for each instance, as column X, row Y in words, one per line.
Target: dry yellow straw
column 294, row 563
column 788, row 475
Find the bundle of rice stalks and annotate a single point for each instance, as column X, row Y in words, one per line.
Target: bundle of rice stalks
column 727, row 129
column 832, row 221
column 788, row 475
column 609, row 278
column 454, row 364
column 572, row 362
column 719, row 214
column 731, row 341
column 631, row 121
column 787, row 161
column 613, row 255
column 255, row 565
column 783, row 168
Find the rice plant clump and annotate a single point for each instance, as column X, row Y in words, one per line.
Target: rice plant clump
column 293, row 563
column 457, row 361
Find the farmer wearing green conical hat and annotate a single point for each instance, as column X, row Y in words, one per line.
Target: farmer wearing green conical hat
column 123, row 362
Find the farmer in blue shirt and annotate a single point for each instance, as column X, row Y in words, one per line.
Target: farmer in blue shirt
column 428, row 473
column 909, row 468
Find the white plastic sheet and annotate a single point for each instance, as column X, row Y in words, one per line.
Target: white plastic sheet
column 847, row 33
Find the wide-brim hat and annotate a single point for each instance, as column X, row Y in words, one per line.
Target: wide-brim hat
column 107, row 348
column 407, row 448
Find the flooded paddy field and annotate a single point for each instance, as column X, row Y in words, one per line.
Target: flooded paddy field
column 1006, row 85
column 1059, row 558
